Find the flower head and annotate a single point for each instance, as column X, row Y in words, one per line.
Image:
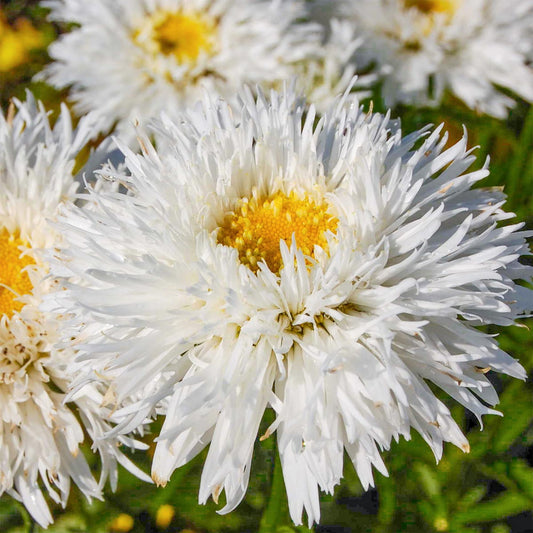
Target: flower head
column 40, row 434
column 328, row 270
column 421, row 48
column 165, row 53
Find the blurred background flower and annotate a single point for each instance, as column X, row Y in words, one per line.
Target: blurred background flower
column 17, row 41
column 478, row 50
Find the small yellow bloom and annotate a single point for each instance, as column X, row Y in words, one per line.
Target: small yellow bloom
column 164, row 516
column 16, row 42
column 122, row 523
column 12, row 52
column 30, row 37
column 441, row 524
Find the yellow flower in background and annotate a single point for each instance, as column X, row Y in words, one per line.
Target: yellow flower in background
column 122, row 523
column 17, row 41
column 164, row 516
column 441, row 524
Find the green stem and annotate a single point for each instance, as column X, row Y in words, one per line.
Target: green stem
column 274, row 508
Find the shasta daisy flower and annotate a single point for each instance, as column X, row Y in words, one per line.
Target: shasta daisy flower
column 329, row 270
column 165, row 53
column 40, row 435
column 421, row 48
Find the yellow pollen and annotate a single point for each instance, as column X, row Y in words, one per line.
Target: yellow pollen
column 12, row 274
column 256, row 228
column 433, row 6
column 184, row 36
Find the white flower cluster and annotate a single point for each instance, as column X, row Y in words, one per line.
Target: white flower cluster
column 271, row 247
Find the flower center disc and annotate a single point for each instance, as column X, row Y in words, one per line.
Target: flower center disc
column 14, row 281
column 183, row 35
column 433, row 6
column 256, row 228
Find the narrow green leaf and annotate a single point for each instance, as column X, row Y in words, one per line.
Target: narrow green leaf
column 471, row 497
column 522, row 474
column 387, row 501
column 429, row 480
column 517, row 416
column 500, row 528
column 427, row 511
column 504, row 505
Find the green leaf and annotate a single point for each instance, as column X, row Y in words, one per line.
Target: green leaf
column 500, row 528
column 471, row 497
column 522, row 474
column 387, row 501
column 429, row 480
column 515, row 405
column 10, row 515
column 426, row 510
column 502, row 506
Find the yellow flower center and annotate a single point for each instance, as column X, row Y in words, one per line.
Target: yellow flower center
column 14, row 280
column 182, row 35
column 256, row 228
column 433, row 6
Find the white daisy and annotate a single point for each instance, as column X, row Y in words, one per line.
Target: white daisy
column 130, row 59
column 40, row 435
column 327, row 271
column 421, row 48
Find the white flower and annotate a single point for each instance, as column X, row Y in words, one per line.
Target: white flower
column 328, row 271
column 421, row 48
column 129, row 59
column 40, row 435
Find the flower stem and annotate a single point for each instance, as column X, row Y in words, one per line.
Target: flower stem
column 272, row 513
